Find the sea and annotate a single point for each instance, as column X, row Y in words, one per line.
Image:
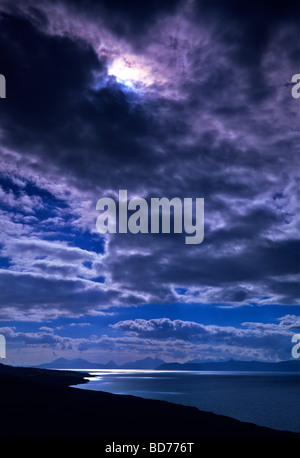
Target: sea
column 266, row 399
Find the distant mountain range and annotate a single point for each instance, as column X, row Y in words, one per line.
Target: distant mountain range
column 147, row 363
column 233, row 365
column 79, row 363
column 159, row 364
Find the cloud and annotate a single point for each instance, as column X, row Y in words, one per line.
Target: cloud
column 216, row 121
column 42, row 338
column 164, row 328
column 250, row 338
column 286, row 323
column 35, row 255
column 28, row 296
column 171, row 340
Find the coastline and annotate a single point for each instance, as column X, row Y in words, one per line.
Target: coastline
column 40, row 403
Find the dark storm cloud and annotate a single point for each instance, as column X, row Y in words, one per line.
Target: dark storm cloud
column 24, row 291
column 266, row 15
column 251, row 24
column 44, row 73
column 89, row 132
column 127, row 19
column 101, row 136
column 249, row 273
column 212, row 120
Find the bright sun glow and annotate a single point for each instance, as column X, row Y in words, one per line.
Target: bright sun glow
column 128, row 71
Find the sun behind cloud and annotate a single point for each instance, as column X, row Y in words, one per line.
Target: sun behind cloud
column 130, row 71
column 137, row 72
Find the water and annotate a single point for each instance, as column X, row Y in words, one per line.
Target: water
column 266, row 399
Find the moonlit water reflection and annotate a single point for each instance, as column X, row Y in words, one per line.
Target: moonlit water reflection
column 266, row 399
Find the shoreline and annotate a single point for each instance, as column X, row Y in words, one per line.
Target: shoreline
column 40, row 403
column 255, row 398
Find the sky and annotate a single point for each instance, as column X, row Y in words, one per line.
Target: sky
column 188, row 99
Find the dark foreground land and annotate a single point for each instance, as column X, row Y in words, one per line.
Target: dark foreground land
column 39, row 403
